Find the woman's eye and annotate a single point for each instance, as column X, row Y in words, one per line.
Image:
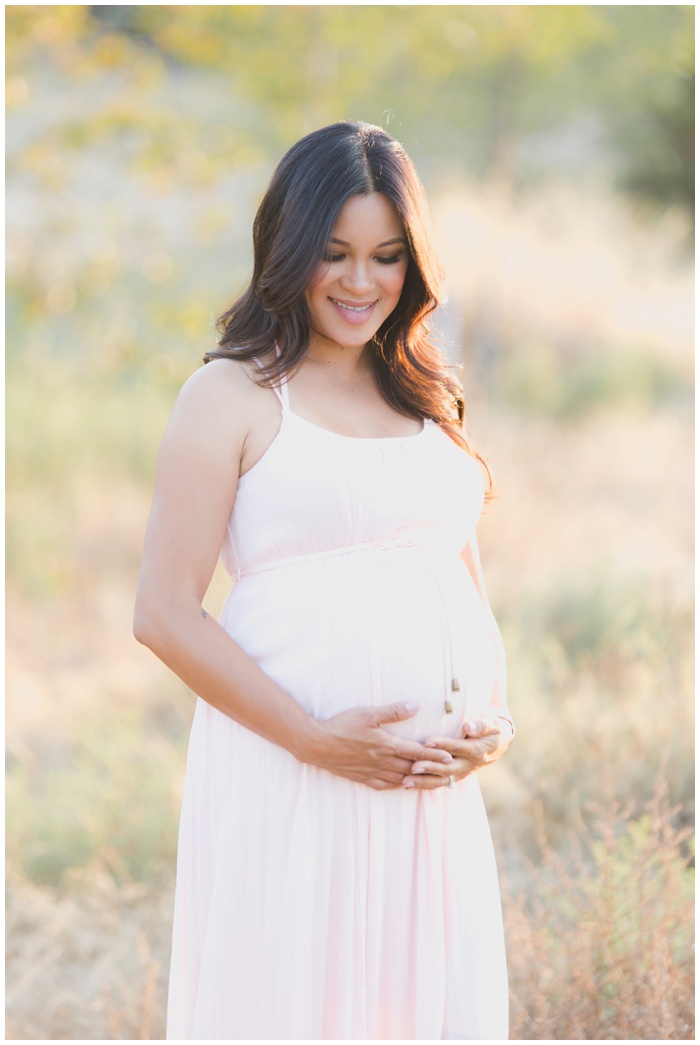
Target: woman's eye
column 382, row 260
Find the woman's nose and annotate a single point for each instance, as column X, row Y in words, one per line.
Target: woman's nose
column 357, row 277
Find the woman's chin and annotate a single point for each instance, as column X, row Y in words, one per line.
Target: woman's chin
column 342, row 339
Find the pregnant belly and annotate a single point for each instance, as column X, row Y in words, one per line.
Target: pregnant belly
column 369, row 629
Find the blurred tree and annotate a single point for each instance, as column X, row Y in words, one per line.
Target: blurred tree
column 651, row 115
column 115, row 110
column 463, row 86
column 462, row 82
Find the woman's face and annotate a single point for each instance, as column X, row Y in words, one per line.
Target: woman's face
column 359, row 284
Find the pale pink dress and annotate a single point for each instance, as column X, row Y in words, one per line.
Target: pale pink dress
column 309, row 906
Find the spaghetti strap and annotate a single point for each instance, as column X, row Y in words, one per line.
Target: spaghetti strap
column 284, row 391
column 281, row 389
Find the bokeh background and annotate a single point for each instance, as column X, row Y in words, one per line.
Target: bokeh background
column 556, row 146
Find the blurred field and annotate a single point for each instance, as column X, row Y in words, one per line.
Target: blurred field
column 572, row 313
column 589, row 569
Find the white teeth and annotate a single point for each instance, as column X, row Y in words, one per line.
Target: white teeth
column 351, row 308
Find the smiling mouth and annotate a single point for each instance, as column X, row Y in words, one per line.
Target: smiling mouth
column 353, row 308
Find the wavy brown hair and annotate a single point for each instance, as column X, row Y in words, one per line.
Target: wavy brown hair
column 291, row 234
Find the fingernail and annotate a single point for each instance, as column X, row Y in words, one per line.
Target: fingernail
column 448, row 758
column 470, row 727
column 409, row 783
column 430, row 743
column 419, row 769
column 412, row 706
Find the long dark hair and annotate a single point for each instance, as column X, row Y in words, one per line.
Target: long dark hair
column 291, row 234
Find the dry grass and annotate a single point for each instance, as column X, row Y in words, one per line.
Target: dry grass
column 601, row 943
column 599, row 933
column 89, row 962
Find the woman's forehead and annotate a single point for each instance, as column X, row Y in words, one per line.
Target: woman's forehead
column 372, row 215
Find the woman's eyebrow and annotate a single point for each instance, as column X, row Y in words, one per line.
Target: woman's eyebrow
column 386, row 243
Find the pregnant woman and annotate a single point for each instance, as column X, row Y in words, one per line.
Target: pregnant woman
column 335, row 875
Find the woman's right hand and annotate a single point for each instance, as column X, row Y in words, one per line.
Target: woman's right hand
column 352, row 744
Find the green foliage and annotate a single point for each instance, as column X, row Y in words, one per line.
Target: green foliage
column 77, row 436
column 591, row 619
column 652, row 123
column 178, row 106
column 659, row 149
column 540, row 379
column 66, row 422
column 111, row 800
column 460, row 85
column 600, row 669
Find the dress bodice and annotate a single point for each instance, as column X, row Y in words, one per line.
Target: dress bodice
column 315, row 492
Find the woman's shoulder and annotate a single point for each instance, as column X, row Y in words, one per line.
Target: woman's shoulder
column 216, row 400
column 224, row 401
column 223, row 381
column 219, row 374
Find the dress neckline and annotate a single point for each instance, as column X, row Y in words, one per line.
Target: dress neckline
column 282, row 392
column 357, row 438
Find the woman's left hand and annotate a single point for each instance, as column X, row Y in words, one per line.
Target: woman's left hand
column 486, row 739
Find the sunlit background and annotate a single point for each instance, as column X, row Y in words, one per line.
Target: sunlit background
column 556, row 146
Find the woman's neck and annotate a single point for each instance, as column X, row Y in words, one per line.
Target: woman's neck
column 338, row 363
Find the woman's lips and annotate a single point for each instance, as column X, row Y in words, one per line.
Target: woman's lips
column 355, row 313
